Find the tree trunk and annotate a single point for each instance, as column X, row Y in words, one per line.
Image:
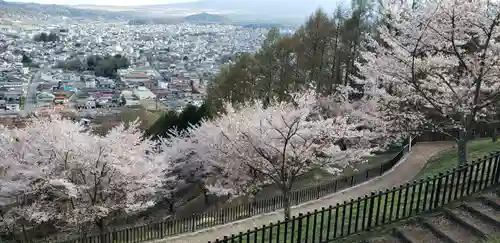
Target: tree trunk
column 462, row 152
column 494, row 134
column 170, row 204
column 25, row 235
column 205, row 197
column 287, row 204
column 462, row 148
column 204, row 191
column 102, row 231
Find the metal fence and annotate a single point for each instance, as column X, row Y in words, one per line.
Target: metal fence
column 379, row 208
column 220, row 216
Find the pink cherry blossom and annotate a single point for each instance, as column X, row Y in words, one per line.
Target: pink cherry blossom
column 437, row 62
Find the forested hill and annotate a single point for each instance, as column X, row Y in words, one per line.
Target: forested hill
column 206, row 18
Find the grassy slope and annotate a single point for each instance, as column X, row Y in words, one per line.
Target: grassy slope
column 317, row 175
column 448, row 160
column 493, row 239
column 147, row 118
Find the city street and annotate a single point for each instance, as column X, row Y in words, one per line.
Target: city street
column 29, row 103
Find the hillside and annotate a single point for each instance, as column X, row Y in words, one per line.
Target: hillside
column 34, row 10
column 206, row 18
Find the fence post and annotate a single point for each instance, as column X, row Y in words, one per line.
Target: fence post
column 193, row 221
column 161, row 230
column 249, row 207
column 299, row 228
column 370, row 210
column 497, row 174
column 490, row 170
column 438, row 190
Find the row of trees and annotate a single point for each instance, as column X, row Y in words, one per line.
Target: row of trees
column 173, row 123
column 104, row 66
column 428, row 58
column 320, row 54
column 46, row 37
column 56, row 175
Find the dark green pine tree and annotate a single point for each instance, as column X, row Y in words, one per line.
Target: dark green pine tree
column 191, row 115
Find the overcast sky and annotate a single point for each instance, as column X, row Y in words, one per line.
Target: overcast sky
column 103, row 2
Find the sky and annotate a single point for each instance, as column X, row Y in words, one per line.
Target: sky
column 101, row 2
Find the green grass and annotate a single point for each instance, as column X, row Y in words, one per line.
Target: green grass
column 492, row 239
column 314, row 177
column 318, row 176
column 448, row 160
column 402, row 203
column 391, row 206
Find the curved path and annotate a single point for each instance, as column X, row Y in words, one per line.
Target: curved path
column 404, row 171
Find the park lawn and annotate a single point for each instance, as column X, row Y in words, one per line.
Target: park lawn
column 492, row 239
column 448, row 159
column 153, row 105
column 314, row 177
column 146, row 118
column 318, row 176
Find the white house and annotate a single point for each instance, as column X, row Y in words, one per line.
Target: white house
column 144, row 93
column 127, row 95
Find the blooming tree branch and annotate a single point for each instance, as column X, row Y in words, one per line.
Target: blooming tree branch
column 441, row 58
column 73, row 177
column 255, row 145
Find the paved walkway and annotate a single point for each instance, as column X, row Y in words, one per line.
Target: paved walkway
column 405, row 170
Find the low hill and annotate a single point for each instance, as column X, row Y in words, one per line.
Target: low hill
column 52, row 10
column 206, row 18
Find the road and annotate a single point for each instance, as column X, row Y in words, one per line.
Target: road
column 29, row 103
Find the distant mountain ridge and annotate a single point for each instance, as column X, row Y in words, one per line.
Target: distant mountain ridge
column 255, row 11
column 35, row 9
column 234, row 11
column 206, row 18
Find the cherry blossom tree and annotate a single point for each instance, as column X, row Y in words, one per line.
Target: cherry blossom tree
column 67, row 175
column 23, row 165
column 491, row 118
column 257, row 145
column 187, row 168
column 441, row 59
